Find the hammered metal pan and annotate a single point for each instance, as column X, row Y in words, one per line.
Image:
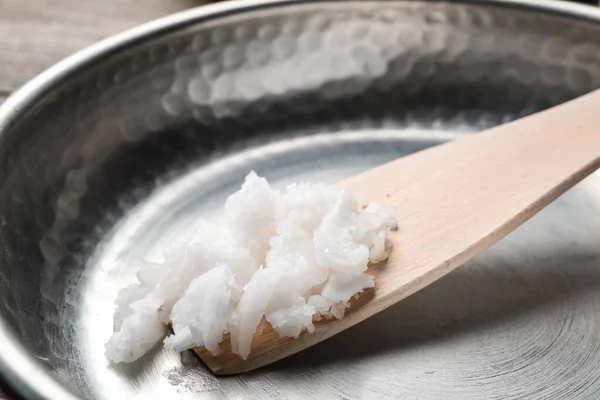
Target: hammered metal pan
column 107, row 154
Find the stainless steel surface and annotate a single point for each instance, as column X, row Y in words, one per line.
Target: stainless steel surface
column 107, row 154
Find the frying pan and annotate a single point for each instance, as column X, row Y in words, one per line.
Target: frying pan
column 106, row 155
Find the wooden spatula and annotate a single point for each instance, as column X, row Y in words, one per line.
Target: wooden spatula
column 452, row 202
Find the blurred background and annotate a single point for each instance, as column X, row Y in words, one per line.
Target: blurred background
column 34, row 34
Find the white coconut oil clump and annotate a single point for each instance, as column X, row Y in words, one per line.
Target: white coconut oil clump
column 291, row 257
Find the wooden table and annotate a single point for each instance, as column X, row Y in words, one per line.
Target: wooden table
column 34, row 34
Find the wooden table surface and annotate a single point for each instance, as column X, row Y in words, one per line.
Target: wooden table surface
column 35, row 34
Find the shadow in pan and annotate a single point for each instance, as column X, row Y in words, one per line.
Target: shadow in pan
column 488, row 290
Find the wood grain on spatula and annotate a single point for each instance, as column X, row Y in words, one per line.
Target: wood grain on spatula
column 452, row 202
